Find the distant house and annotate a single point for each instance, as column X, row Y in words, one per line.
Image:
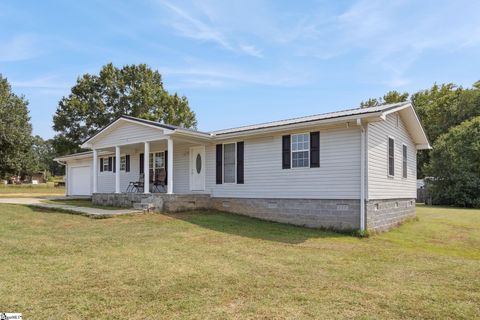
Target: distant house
column 351, row 169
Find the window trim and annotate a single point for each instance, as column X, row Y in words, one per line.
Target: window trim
column 291, row 150
column 388, row 157
column 404, row 161
column 223, row 163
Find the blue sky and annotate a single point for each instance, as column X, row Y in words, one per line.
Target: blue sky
column 241, row 62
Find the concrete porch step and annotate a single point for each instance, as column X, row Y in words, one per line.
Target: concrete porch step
column 143, row 206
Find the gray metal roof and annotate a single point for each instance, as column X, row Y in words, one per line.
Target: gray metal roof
column 323, row 116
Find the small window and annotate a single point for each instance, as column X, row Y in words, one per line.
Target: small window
column 123, row 163
column 391, row 157
column 404, row 162
column 198, row 163
column 300, row 150
column 105, row 164
column 229, row 156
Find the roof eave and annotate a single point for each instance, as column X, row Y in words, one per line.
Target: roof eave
column 298, row 125
column 87, row 144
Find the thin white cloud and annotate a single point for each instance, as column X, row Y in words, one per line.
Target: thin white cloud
column 42, row 82
column 18, row 48
column 251, row 50
column 208, row 75
column 189, row 25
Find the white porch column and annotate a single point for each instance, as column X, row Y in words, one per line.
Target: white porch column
column 146, row 168
column 95, row 170
column 170, row 166
column 117, row 169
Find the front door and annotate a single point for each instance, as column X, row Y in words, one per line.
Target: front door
column 197, row 168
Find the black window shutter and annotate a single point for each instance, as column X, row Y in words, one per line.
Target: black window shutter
column 166, row 166
column 240, row 167
column 141, row 163
column 109, row 163
column 114, row 163
column 101, row 164
column 219, row 163
column 315, row 149
column 286, row 146
column 127, row 163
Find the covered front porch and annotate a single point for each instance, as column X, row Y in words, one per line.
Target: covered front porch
column 134, row 156
column 134, row 168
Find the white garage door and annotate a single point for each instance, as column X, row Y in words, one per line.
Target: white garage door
column 80, row 184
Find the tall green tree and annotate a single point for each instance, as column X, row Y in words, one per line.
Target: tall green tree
column 96, row 100
column 15, row 131
column 441, row 108
column 455, row 166
column 43, row 153
column 389, row 97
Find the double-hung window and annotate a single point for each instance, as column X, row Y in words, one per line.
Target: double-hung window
column 300, row 150
column 404, row 162
column 229, row 163
column 123, row 163
column 157, row 163
column 391, row 157
column 105, row 164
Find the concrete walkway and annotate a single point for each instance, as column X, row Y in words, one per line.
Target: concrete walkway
column 91, row 212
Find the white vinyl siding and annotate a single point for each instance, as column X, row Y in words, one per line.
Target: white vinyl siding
column 380, row 184
column 338, row 177
column 127, row 133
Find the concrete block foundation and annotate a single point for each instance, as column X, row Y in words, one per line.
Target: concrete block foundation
column 381, row 215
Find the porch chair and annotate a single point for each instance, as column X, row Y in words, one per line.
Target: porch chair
column 137, row 186
column 160, row 181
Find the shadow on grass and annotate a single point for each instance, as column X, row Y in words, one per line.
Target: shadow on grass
column 244, row 226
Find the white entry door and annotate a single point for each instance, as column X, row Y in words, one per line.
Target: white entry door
column 197, row 168
column 80, row 181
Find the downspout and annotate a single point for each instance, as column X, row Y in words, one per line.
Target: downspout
column 362, row 175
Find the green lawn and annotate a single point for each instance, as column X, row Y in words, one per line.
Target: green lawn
column 216, row 266
column 30, row 190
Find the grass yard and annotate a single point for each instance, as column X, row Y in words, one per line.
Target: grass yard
column 216, row 266
column 30, row 190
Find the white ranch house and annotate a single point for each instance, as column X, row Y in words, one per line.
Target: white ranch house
column 352, row 169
